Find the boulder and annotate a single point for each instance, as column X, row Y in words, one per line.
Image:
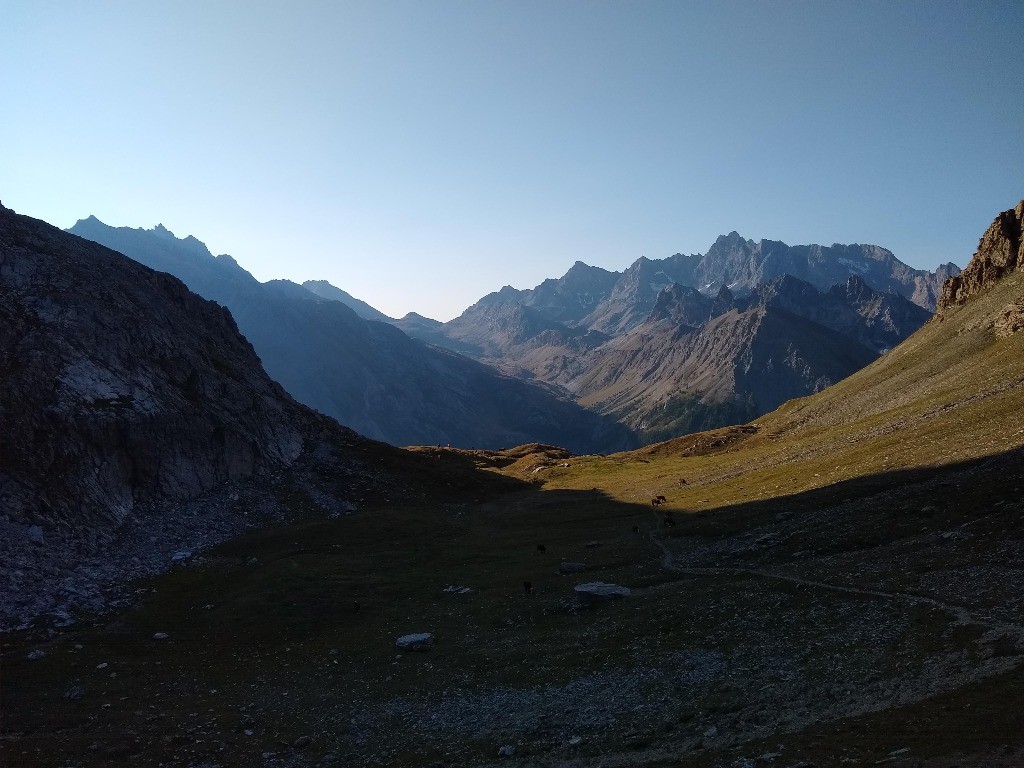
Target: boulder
column 599, row 592
column 422, row 641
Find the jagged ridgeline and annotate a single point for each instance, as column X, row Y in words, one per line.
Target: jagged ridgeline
column 368, row 375
column 687, row 343
column 592, row 360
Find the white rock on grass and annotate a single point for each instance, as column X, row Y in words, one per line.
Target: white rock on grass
column 599, row 591
column 421, row 641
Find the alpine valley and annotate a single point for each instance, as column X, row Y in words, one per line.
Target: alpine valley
column 200, row 566
column 593, row 361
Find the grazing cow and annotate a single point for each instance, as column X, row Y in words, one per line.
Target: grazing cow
column 541, row 548
column 636, row 529
column 656, row 501
column 682, row 481
column 661, row 499
column 528, row 587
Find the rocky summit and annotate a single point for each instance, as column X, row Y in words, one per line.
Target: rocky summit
column 1000, row 252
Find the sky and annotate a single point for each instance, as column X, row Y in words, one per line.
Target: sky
column 420, row 155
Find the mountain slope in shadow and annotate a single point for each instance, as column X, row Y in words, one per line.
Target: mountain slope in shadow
column 368, row 375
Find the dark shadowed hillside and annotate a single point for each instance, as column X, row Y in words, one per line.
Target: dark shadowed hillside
column 368, row 375
column 325, row 290
column 137, row 422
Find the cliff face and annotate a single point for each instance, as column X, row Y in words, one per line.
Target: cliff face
column 137, row 422
column 1000, row 251
column 119, row 384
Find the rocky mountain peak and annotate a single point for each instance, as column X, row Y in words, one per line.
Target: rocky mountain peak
column 724, row 301
column 682, row 305
column 581, row 268
column 1000, row 251
column 855, row 288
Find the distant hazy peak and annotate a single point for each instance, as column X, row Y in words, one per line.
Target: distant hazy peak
column 581, row 269
column 421, row 318
column 91, row 228
column 325, row 290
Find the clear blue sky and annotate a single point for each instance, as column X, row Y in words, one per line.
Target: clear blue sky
column 421, row 154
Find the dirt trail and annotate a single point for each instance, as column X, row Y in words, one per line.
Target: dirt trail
column 961, row 614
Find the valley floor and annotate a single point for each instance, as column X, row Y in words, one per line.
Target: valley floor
column 871, row 621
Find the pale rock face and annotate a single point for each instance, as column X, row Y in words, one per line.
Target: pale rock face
column 419, row 641
column 599, row 591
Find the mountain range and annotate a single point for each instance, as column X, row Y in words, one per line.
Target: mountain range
column 836, row 583
column 663, row 356
column 367, row 374
column 594, row 360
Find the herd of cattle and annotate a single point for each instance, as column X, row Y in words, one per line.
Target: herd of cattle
column 667, row 521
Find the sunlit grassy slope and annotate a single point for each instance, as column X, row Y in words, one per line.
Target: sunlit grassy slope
column 843, row 585
column 951, row 392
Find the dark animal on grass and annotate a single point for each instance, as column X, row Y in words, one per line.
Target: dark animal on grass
column 656, row 501
column 682, row 481
column 636, row 529
column 528, row 587
column 541, row 548
column 661, row 499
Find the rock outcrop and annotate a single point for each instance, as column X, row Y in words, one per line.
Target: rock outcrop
column 1000, row 251
column 595, row 592
column 420, row 641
